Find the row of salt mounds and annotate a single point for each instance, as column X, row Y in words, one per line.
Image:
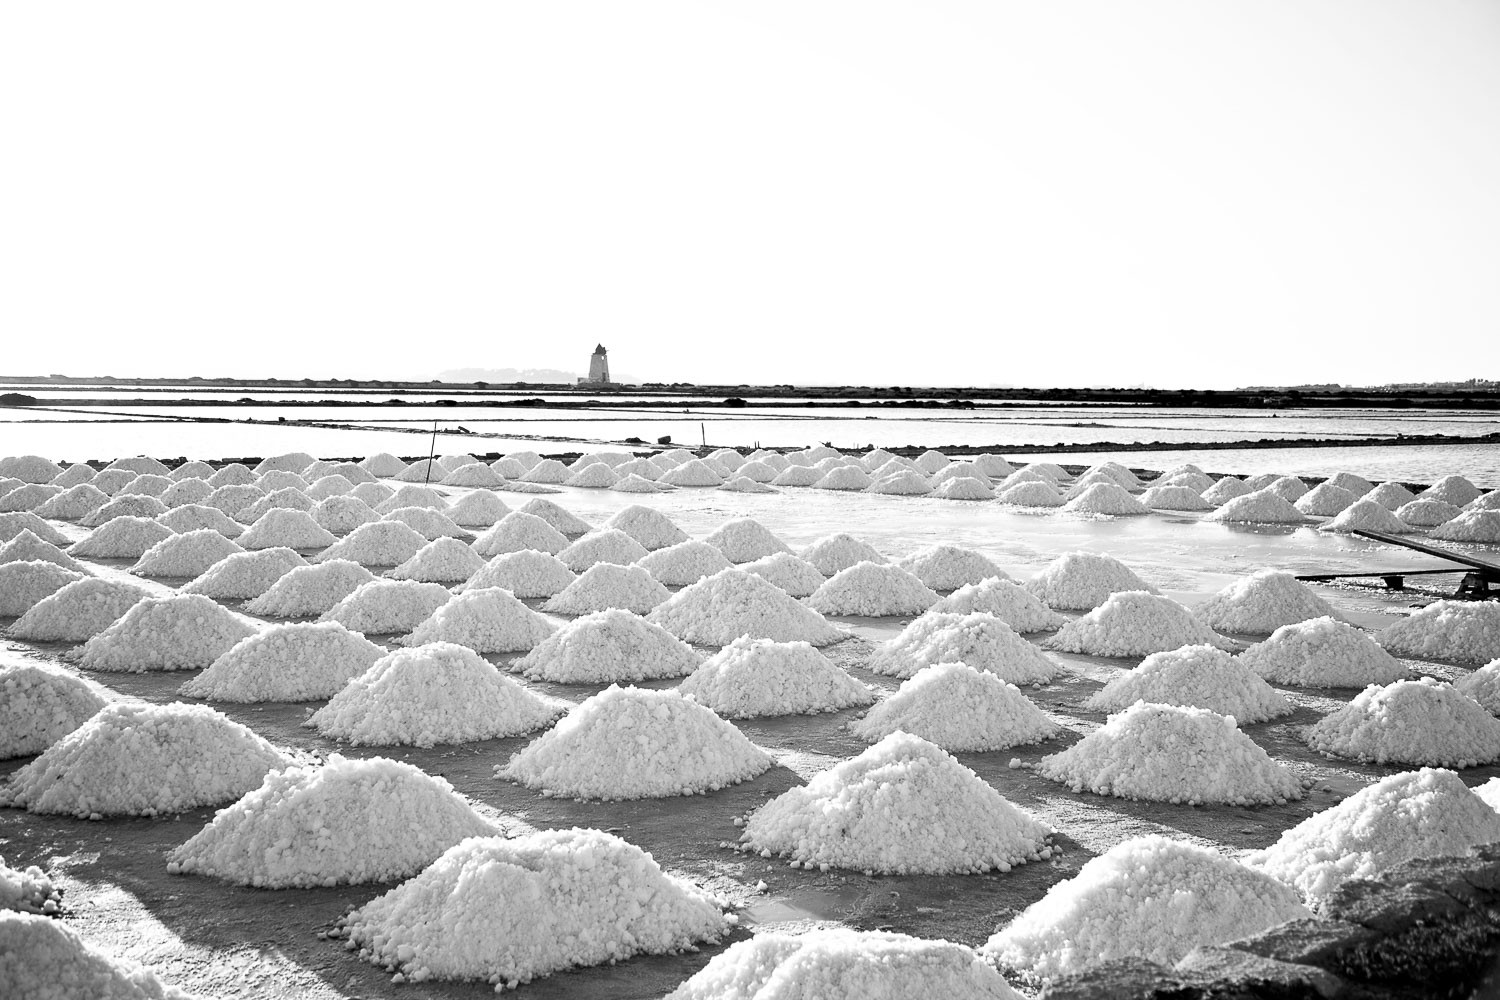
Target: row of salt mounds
column 28, row 890
column 1325, row 500
column 677, row 747
column 1260, row 507
column 731, row 603
column 796, row 576
column 1081, row 581
column 1167, row 753
column 745, row 540
column 478, row 509
column 948, row 567
column 43, row 958
column 345, row 822
column 1195, row 677
column 590, row 898
column 304, row 662
column 29, row 468
column 1261, row 603
column 78, row 611
column 833, row 553
column 1416, row 814
column 134, row 759
column 608, row 647
column 27, row 547
column 486, row 620
column 750, row 678
column 903, row 807
column 518, row 531
column 872, row 590
column 956, row 707
column 1322, row 652
column 122, row 538
column 40, row 703
column 309, row 591
column 1134, row 623
column 1006, row 600
column 189, row 554
column 1367, row 515
column 1150, row 898
column 1472, row 526
column 836, row 963
column 385, row 607
column 379, row 543
column 1106, row 498
column 686, row 562
column 1410, row 722
column 1461, row 631
column 25, row 583
column 526, row 573
column 244, row 575
column 558, row 516
column 437, row 693
column 443, row 560
column 651, row 528
column 1169, row 497
column 181, row 632
column 979, row 639
column 191, row 517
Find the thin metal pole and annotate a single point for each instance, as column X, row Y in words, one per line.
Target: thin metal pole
column 431, row 451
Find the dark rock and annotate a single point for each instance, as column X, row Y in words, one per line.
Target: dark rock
column 1261, row 976
column 1391, row 909
column 1309, row 942
column 1125, row 979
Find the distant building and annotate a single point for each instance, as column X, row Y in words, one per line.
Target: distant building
column 598, row 366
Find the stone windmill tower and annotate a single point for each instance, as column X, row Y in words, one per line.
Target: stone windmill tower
column 599, row 365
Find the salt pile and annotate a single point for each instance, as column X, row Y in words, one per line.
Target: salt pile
column 24, row 583
column 1325, row 500
column 1034, row 494
column 1150, row 898
column 686, row 562
column 519, row 530
column 293, row 461
column 383, row 464
column 957, row 707
column 445, row 560
column 635, row 483
column 329, row 486
column 275, row 480
column 1487, row 501
column 1483, row 685
column 608, row 545
column 1471, row 526
column 1322, row 652
column 1261, row 603
column 756, row 472
column 1452, row 489
column 428, row 523
column 980, row 640
column 40, row 703
column 1187, row 479
column 41, row 957
column 1358, row 485
column 140, row 465
column 904, row 807
column 1195, row 677
column 29, row 468
column 548, row 470
column 731, row 603
column 798, row 577
column 1168, row 753
column 181, row 632
column 1459, row 631
column 527, row 573
column 305, row 662
column 342, row 514
column 903, row 482
column 135, row 759
column 283, row 499
column 836, row 963
column 833, row 553
column 413, row 496
column 1006, row 600
column 110, row 480
column 15, row 522
column 372, row 493
column 28, row 497
column 424, row 470
column 650, row 527
column 1427, row 513
column 1369, row 516
column 78, row 611
column 384, row 607
column 308, row 591
column 798, row 475
column 964, row 488
column 597, row 476
column 526, row 459
column 484, row 619
column 191, row 517
column 73, row 475
column 608, row 585
column 1260, row 507
column 1289, row 488
column 960, row 470
column 872, row 590
column 609, row 647
column 1416, row 814
column 1410, row 722
column 27, row 547
column 379, row 543
column 1133, row 623
column 478, row 509
column 1106, row 498
column 1173, row 498
column 439, row 692
column 475, row 474
column 844, row 477
column 676, row 747
column 122, row 538
column 563, row 520
column 948, row 567
column 1081, row 581
column 232, row 500
column 750, row 678
column 1391, row 495
column 189, row 554
column 192, row 470
column 745, row 540
column 73, row 503
column 693, row 472
column 26, row 890
column 244, row 575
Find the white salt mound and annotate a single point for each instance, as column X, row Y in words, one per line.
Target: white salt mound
column 1427, row 513
column 904, row 482
column 23, row 584
column 1261, row 603
column 283, row 499
column 606, row 585
column 798, row 577
column 1483, row 685
column 1410, row 722
column 957, row 707
column 29, row 468
column 15, row 522
column 1471, row 526
column 191, row 517
column 694, row 472
column 1262, row 506
column 1325, row 500
column 379, row 543
column 1150, row 898
column 1197, row 677
column 1133, row 623
column 27, row 498
column 1168, row 753
column 478, row 509
column 309, row 591
column 342, row 514
column 686, row 562
column 372, row 493
column 189, row 554
column 560, row 518
column 181, row 632
column 1368, row 515
column 383, row 464
column 731, row 603
column 436, row 693
column 677, row 747
column 833, row 553
column 904, row 806
column 527, row 573
column 948, row 567
column 27, row 890
column 1415, row 814
column 1451, row 489
column 40, row 703
column 1106, row 498
column 384, row 607
column 73, row 503
column 192, row 470
column 519, row 530
column 231, row 499
column 428, row 523
column 1358, row 485
column 27, row 547
column 484, row 619
column 1459, row 631
column 1006, row 600
column 636, row 483
column 745, row 540
column 41, row 957
column 303, row 662
column 1173, row 498
column 122, row 537
column 135, row 759
column 80, row 610
column 413, row 496
column 443, row 560
column 750, row 678
column 609, row 647
column 608, row 545
column 185, row 492
column 1288, row 488
column 873, row 590
column 597, row 476
column 291, row 462
column 1323, row 652
column 1081, row 581
column 475, row 474
column 244, row 575
column 980, row 640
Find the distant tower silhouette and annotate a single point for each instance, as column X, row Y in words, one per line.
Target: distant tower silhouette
column 599, row 365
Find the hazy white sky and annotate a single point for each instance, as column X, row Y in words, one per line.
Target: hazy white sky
column 1191, row 193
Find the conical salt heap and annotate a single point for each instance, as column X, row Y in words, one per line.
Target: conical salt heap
column 15, row 522
column 1452, row 489
column 948, row 567
column 1167, row 753
column 686, row 562
column 303, row 662
column 181, row 632
column 342, row 514
column 1226, row 489
column 287, row 499
column 443, row 560
column 1081, row 581
column 1169, row 497
column 796, row 576
column 1483, row 685
column 836, row 963
column 980, row 639
column 40, row 703
column 192, row 516
column 548, row 470
column 964, row 488
column 957, row 707
column 27, row 547
column 125, row 505
column 900, row 482
column 437, row 693
column 608, row 545
column 1006, row 600
column 1415, row 814
column 328, row 486
column 188, row 492
column 518, row 531
column 1197, row 677
column 731, row 603
column 872, row 590
column 486, row 620
column 609, row 647
column 79, row 611
column 110, row 480
column 430, row 524
column 413, row 496
column 27, row 498
column 29, row 468
column 476, row 474
column 904, row 807
column 42, row 957
column 309, row 591
column 526, row 573
column 745, row 540
column 1367, row 515
column 1288, row 488
column 136, row 759
column 1149, row 898
column 294, row 461
column 636, row 482
column 478, row 509
column 895, row 657
column 595, row 476
column 1481, row 526
column 1106, row 498
column 648, row 526
column 1261, row 603
column 73, row 503
column 1460, row 631
column 1427, row 513
column 372, row 493
column 694, row 472
column 833, row 553
column 189, row 554
column 124, row 537
column 379, row 543
column 230, row 499
column 1323, row 652
column 558, row 516
column 82, row 472
column 385, row 607
column 607, row 585
column 750, row 678
column 1263, row 506
column 23, row 584
column 1410, row 722
column 383, row 464
column 244, row 575
column 1134, row 623
column 426, row 470
column 345, row 822
column 1325, row 500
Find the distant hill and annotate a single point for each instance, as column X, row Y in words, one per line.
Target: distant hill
column 503, row 375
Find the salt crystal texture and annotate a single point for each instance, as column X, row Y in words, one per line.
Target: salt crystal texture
column 1410, row 722
column 1323, row 652
column 244, row 575
column 979, row 639
column 1483, row 685
column 23, row 584
column 608, row 545
column 28, row 498
column 1471, row 526
column 413, row 496
column 1427, row 513
column 527, row 573
column 476, row 474
column 1197, row 677
column 342, row 514
column 26, row 890
column 957, row 707
column 308, row 591
column 1081, row 581
column 750, row 678
column 903, row 482
column 421, row 471
column 519, row 530
column 328, row 486
column 282, row 499
column 1133, row 623
column 1260, row 507
column 1006, row 600
column 1391, row 495
column 384, row 607
column 181, row 632
column 608, row 647
column 606, row 585
column 486, row 620
column 188, row 554
column 304, row 662
column 731, row 603
column 478, row 509
column 872, row 590
column 1261, row 603
column 79, row 611
column 798, row 577
column 40, row 703
column 121, row 538
column 745, row 540
column 1358, row 485
column 444, row 560
column 383, row 464
column 380, row 543
column 686, row 562
column 230, row 498
column 1459, row 631
column 41, row 958
column 187, row 491
column 372, row 493
column 948, row 567
column 833, row 553
column 192, row 470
